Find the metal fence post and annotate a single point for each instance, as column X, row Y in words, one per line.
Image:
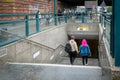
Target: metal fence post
column 37, row 23
column 27, row 25
column 111, row 39
column 65, row 18
column 116, row 23
column 55, row 15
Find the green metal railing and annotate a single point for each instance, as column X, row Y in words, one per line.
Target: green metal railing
column 106, row 24
column 25, row 25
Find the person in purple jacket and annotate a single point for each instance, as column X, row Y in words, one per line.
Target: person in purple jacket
column 84, row 51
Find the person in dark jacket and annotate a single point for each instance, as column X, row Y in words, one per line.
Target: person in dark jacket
column 59, row 15
column 84, row 51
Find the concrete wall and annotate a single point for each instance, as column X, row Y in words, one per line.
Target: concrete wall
column 109, row 71
column 26, row 51
column 44, row 47
column 104, row 56
column 52, row 37
column 76, row 29
column 73, row 26
column 115, row 73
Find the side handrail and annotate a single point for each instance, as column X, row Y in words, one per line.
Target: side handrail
column 102, row 35
column 38, row 44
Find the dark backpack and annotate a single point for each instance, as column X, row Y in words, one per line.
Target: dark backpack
column 68, row 47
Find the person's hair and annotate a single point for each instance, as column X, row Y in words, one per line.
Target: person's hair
column 84, row 42
column 72, row 37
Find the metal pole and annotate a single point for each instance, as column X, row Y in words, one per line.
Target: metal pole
column 55, row 15
column 27, row 25
column 116, row 32
column 37, row 23
column 111, row 38
column 83, row 17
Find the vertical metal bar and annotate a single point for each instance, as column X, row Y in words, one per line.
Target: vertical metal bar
column 55, row 15
column 111, row 38
column 100, row 18
column 37, row 23
column 112, row 32
column 83, row 16
column 65, row 18
column 27, row 25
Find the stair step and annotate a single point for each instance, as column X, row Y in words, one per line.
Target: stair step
column 78, row 61
column 32, row 71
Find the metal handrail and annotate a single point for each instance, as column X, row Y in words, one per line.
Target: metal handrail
column 38, row 44
column 102, row 36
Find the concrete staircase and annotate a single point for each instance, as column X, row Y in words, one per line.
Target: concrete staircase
column 30, row 71
column 78, row 61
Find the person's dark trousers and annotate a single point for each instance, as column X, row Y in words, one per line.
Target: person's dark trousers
column 72, row 56
column 84, row 60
